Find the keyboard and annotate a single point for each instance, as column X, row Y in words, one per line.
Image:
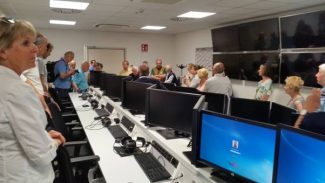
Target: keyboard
column 151, row 167
column 102, row 112
column 117, row 131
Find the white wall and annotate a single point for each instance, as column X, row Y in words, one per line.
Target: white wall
column 186, row 43
column 63, row 40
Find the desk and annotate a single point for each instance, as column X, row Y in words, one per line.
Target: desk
column 112, row 165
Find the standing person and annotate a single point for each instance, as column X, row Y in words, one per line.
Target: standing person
column 98, row 67
column 42, row 67
column 92, row 65
column 219, row 82
column 264, row 86
column 79, row 79
column 158, row 72
column 125, row 69
column 292, row 87
column 63, row 75
column 26, row 149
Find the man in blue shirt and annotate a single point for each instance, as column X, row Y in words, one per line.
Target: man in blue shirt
column 63, row 75
column 79, row 79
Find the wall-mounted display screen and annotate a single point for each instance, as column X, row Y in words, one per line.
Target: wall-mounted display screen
column 225, row 39
column 245, row 66
column 303, row 31
column 304, row 65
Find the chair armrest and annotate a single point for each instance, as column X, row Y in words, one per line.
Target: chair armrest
column 72, row 123
column 84, row 159
column 77, row 128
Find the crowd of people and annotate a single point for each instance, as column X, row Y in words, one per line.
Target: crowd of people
column 28, row 147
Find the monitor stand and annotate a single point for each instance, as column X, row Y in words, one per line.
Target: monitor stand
column 135, row 112
column 115, row 99
column 172, row 134
column 218, row 174
column 188, row 155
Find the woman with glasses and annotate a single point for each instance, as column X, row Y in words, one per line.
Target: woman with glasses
column 26, row 149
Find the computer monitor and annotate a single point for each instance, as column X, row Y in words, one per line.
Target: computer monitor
column 112, row 85
column 184, row 89
column 134, row 96
column 237, row 147
column 300, row 156
column 256, row 110
column 95, row 78
column 172, row 110
column 216, row 102
column 282, row 114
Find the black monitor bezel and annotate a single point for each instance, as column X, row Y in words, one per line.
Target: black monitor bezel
column 148, row 123
column 240, row 120
column 295, row 130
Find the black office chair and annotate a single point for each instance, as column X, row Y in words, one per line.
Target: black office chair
column 65, row 105
column 314, row 122
column 72, row 170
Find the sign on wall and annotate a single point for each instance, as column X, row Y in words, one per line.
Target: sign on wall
column 144, row 47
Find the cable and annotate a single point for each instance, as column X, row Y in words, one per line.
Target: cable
column 160, row 156
column 176, row 178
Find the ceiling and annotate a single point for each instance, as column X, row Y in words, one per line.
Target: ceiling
column 131, row 15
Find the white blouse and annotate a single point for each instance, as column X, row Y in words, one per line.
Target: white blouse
column 26, row 149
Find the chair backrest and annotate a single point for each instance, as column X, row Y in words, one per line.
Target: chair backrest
column 57, row 121
column 55, row 96
column 63, row 167
column 314, row 122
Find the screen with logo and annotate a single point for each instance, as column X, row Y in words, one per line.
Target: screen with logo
column 245, row 149
column 301, row 158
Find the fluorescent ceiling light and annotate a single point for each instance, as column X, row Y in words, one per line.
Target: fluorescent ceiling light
column 62, row 22
column 68, row 5
column 196, row 14
column 151, row 27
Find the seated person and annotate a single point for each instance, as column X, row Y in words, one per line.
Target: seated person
column 98, row 67
column 126, row 70
column 135, row 73
column 203, row 75
column 193, row 83
column 79, row 79
column 170, row 76
column 158, row 72
column 145, row 78
column 219, row 82
column 292, row 87
column 316, row 101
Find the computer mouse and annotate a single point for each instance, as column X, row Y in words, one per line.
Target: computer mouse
column 85, row 105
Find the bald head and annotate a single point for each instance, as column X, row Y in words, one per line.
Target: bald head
column 218, row 68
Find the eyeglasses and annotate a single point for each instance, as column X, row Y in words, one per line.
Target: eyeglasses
column 8, row 20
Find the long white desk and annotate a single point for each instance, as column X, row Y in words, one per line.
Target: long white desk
column 118, row 169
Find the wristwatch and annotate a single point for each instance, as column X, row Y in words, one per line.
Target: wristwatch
column 303, row 112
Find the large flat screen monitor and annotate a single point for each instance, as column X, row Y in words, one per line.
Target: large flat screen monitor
column 216, row 102
column 171, row 109
column 300, row 156
column 259, row 35
column 113, row 85
column 250, row 109
column 245, row 66
column 303, row 30
column 304, row 65
column 95, row 78
column 237, row 146
column 225, row 39
column 134, row 96
column 282, row 114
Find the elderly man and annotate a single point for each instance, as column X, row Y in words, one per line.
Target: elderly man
column 125, row 69
column 170, row 75
column 158, row 72
column 219, row 82
column 42, row 67
column 315, row 102
column 63, row 75
column 135, row 73
column 79, row 79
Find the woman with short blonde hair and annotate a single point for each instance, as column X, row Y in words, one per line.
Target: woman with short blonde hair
column 292, row 87
column 203, row 75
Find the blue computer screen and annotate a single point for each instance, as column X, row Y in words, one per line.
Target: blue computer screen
column 244, row 149
column 301, row 158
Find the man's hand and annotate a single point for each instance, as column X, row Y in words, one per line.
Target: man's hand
column 57, row 136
